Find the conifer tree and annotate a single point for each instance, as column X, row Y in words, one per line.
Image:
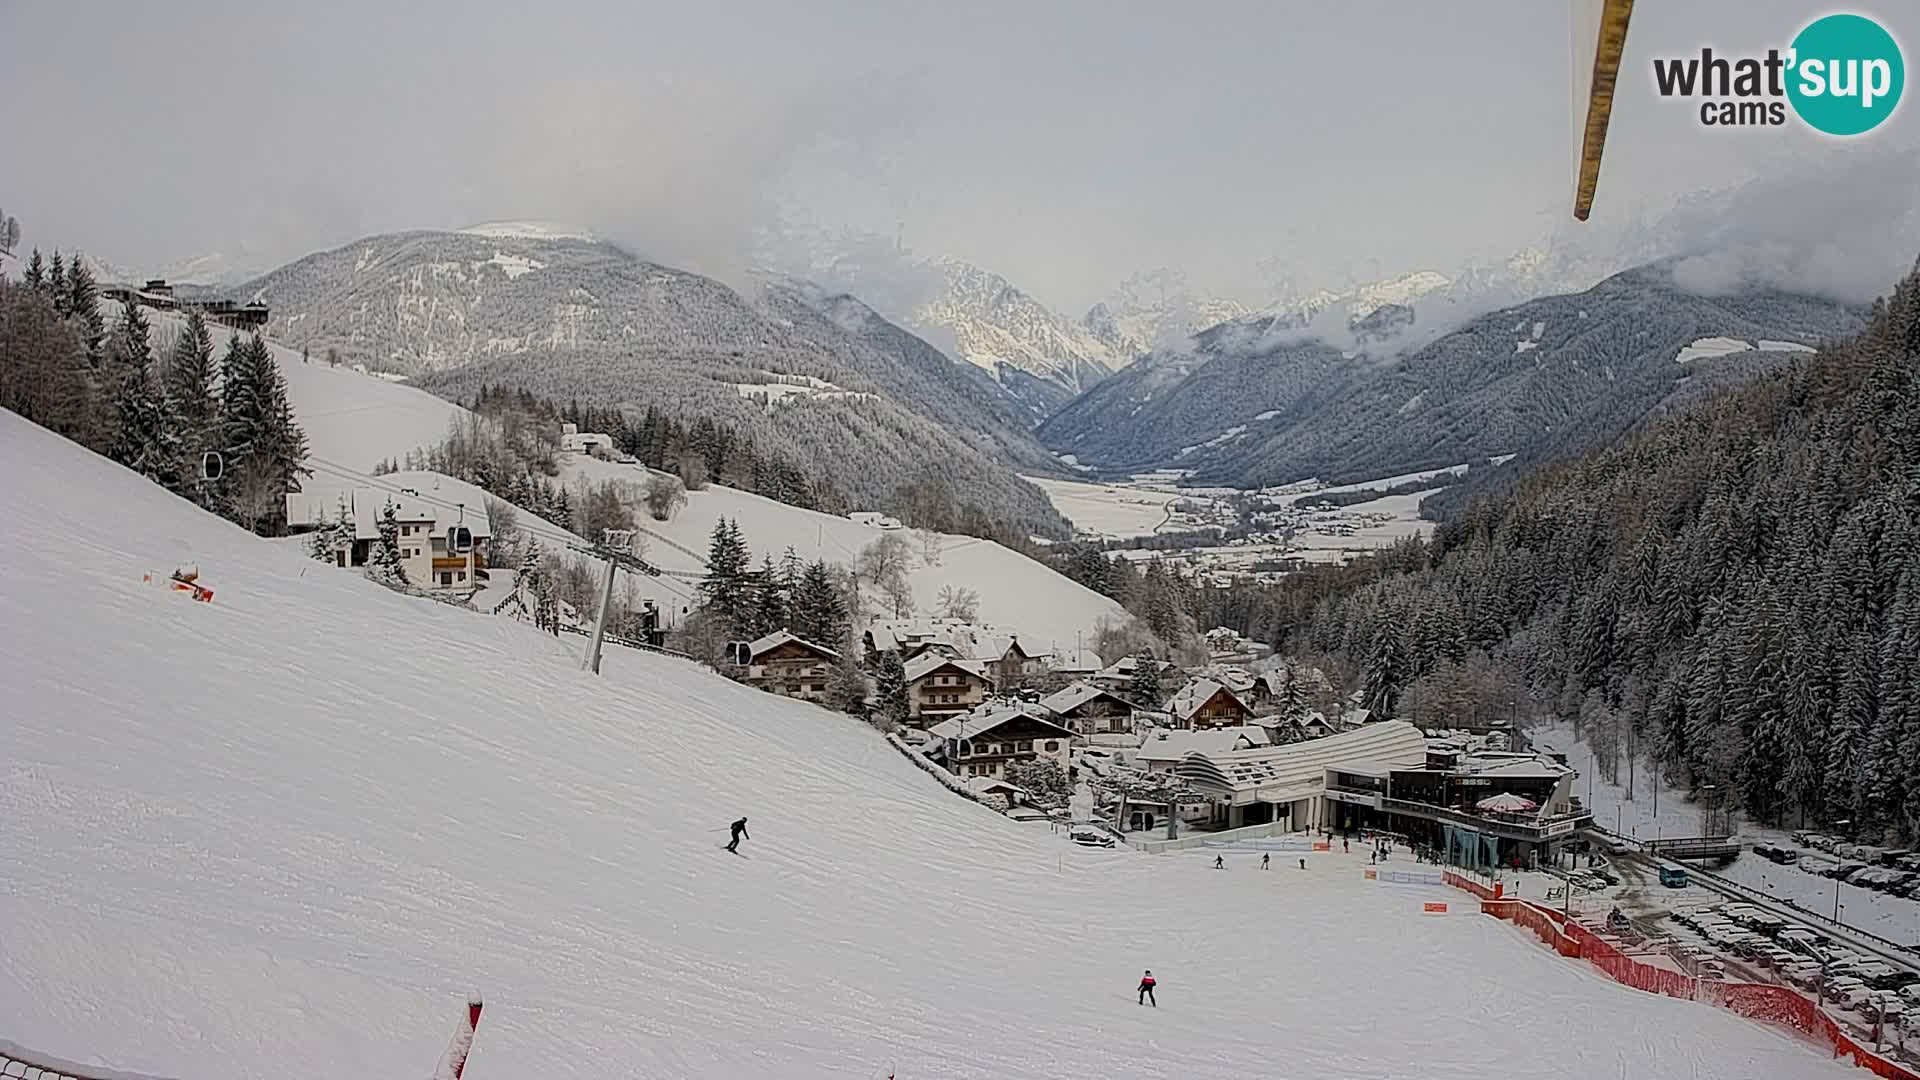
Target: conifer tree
column 819, row 614
column 1144, row 688
column 192, row 408
column 847, row 687
column 725, row 592
column 770, row 610
column 383, row 561
column 36, row 272
column 890, row 688
column 83, row 304
column 141, row 438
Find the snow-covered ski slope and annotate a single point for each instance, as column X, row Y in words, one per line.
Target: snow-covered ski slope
column 283, row 834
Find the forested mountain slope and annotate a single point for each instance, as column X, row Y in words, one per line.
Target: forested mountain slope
column 1737, row 585
column 1551, row 377
column 862, row 413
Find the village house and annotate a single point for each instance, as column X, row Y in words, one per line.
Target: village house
column 1119, row 674
column 575, row 441
column 1089, row 710
column 783, row 664
column 1203, row 704
column 1008, row 663
column 985, row 742
column 427, row 526
column 939, row 687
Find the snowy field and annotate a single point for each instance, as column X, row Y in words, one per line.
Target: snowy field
column 1107, row 510
column 1016, row 593
column 284, row 833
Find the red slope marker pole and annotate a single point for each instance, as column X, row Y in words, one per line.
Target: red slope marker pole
column 455, row 1062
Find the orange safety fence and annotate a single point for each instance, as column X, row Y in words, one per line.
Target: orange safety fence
column 1756, row 1001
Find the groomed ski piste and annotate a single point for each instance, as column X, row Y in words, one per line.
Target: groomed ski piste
column 284, row 833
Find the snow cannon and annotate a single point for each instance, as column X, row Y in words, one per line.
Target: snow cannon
column 184, row 579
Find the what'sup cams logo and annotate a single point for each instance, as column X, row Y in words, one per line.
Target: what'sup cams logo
column 1842, row 76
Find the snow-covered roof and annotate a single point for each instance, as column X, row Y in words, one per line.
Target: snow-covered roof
column 1074, row 695
column 1520, row 767
column 781, row 637
column 929, row 662
column 1189, row 699
column 986, row 718
column 1170, row 745
column 1297, row 770
column 1238, row 680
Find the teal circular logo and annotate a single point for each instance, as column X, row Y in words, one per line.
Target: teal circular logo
column 1847, row 74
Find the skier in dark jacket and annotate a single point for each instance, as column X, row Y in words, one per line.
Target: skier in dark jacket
column 739, row 834
column 1146, row 989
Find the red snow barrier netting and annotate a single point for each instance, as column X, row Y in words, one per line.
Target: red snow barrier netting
column 1756, row 1001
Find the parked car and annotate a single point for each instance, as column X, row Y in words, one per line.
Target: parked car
column 1892, row 857
column 1840, row 870
column 1911, row 992
column 1803, row 837
column 1893, row 880
column 1909, row 863
column 1885, row 1003
column 1805, row 977
column 1091, row 836
column 1844, row 990
column 1799, row 939
column 1858, row 875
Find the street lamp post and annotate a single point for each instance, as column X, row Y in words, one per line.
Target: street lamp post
column 1841, row 824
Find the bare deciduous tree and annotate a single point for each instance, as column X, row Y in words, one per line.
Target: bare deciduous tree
column 930, row 543
column 885, row 563
column 958, row 603
column 666, row 496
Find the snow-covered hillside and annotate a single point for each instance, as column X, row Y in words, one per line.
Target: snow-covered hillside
column 354, row 421
column 1017, row 594
column 284, row 833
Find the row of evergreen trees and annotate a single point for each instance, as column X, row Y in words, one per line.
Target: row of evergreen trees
column 745, row 603
column 222, row 435
column 1735, row 590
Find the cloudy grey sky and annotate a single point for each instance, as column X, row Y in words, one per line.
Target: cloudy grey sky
column 1066, row 145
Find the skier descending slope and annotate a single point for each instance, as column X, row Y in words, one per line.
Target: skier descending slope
column 1147, row 984
column 739, row 834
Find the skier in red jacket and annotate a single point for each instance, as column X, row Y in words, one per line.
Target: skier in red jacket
column 1146, row 989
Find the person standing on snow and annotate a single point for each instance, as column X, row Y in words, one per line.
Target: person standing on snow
column 1146, row 989
column 739, row 834
column 1219, row 862
column 1264, row 856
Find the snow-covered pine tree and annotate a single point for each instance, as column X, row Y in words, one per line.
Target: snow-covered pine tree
column 192, row 408
column 57, row 285
column 383, row 560
column 890, row 688
column 847, row 686
column 83, row 304
column 1144, row 688
column 141, row 439
column 770, row 608
column 818, row 612
column 36, row 272
column 320, row 540
column 725, row 592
